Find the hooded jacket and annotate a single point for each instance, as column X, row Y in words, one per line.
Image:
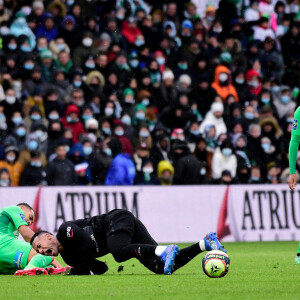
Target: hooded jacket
column 77, row 128
column 224, row 91
column 164, row 165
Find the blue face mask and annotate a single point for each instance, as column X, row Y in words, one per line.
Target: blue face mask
column 17, row 120
column 140, row 115
column 119, row 132
column 139, row 42
column 41, row 48
column 285, row 99
column 36, row 164
column 67, row 148
column 266, row 146
column 145, row 102
column 53, row 117
column 1, row 116
column 90, row 65
column 35, row 117
column 160, row 60
column 194, row 132
column 144, row 134
column 28, row 67
column 21, row 132
column 70, row 3
column 39, row 133
column 134, row 63
column 239, row 80
column 182, row 66
column 87, row 150
column 254, row 84
column 84, row 117
column 25, row 48
column 227, row 151
column 12, row 46
column 4, row 182
column 107, row 151
column 33, row 145
column 275, row 89
column 126, row 120
column 77, row 83
column 60, row 47
column 249, row 115
column 254, row 178
column 265, row 100
column 270, row 178
column 106, row 130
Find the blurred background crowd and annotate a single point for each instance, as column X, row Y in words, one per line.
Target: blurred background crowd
column 97, row 92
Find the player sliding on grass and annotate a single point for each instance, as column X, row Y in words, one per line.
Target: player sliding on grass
column 293, row 150
column 118, row 232
column 14, row 253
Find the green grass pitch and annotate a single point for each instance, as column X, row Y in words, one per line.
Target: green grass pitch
column 257, row 271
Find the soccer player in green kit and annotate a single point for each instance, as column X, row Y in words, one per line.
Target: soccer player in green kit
column 293, row 150
column 16, row 254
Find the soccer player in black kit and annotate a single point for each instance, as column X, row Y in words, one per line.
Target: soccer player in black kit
column 118, row 232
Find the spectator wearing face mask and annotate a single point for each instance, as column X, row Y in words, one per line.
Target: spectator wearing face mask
column 31, row 145
column 222, row 83
column 224, row 158
column 165, row 172
column 35, row 118
column 11, row 164
column 34, row 173
column 4, row 178
column 253, row 80
column 73, row 122
column 122, row 169
column 119, row 134
column 272, row 173
column 146, row 176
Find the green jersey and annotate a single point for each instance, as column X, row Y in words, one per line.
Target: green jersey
column 13, row 252
column 294, row 143
column 11, row 218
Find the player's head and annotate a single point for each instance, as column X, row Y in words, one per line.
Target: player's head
column 45, row 243
column 28, row 212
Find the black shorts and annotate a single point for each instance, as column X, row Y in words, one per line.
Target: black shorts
column 120, row 219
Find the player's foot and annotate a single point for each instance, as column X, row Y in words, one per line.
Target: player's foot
column 31, row 272
column 212, row 242
column 59, row 271
column 168, row 257
column 297, row 260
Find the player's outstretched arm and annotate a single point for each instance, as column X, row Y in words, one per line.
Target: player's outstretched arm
column 26, row 232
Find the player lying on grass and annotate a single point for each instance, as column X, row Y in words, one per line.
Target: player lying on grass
column 14, row 253
column 118, row 232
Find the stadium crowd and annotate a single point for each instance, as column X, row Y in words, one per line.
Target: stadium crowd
column 147, row 92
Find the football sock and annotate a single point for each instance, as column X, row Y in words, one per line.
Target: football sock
column 39, row 261
column 185, row 255
column 159, row 250
column 202, row 245
column 298, row 253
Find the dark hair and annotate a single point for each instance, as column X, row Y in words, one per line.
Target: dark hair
column 25, row 204
column 38, row 233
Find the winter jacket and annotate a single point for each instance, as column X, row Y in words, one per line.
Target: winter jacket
column 61, row 172
column 224, row 91
column 283, row 108
column 126, row 145
column 121, row 171
column 249, row 75
column 15, row 171
column 164, row 165
column 210, row 119
column 77, row 128
column 221, row 163
column 130, row 33
column 33, row 176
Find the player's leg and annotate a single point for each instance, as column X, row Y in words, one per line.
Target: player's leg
column 297, row 258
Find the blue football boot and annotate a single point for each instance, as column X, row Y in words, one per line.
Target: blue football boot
column 212, row 242
column 168, row 257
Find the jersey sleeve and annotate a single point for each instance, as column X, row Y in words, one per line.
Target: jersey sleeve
column 294, row 143
column 15, row 215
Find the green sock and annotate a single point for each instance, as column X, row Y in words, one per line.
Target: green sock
column 298, row 249
column 39, row 261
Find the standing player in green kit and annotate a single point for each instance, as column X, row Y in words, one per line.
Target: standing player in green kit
column 16, row 254
column 293, row 150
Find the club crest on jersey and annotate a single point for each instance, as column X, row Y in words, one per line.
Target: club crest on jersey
column 295, row 124
column 69, row 232
column 23, row 217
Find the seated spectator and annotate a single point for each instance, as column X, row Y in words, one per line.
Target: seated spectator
column 34, row 173
column 119, row 134
column 61, row 170
column 11, row 164
column 121, row 170
column 224, row 158
column 255, row 175
column 142, row 154
column 4, row 178
column 165, row 172
column 146, row 175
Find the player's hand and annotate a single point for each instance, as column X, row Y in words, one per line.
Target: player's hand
column 292, row 181
column 56, row 264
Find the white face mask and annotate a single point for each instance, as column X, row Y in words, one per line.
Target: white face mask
column 108, row 111
column 148, row 170
column 87, row 42
column 10, row 99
